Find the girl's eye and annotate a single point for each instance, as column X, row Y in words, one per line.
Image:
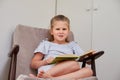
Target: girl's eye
column 57, row 29
column 64, row 29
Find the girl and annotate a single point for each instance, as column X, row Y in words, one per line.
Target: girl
column 58, row 45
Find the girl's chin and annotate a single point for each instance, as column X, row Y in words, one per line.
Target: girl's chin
column 60, row 41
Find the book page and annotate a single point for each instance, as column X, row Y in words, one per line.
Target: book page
column 65, row 57
column 90, row 52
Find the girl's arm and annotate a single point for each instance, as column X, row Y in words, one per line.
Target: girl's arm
column 37, row 60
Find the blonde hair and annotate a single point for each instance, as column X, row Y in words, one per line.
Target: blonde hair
column 59, row 18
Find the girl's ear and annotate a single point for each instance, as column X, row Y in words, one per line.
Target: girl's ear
column 51, row 32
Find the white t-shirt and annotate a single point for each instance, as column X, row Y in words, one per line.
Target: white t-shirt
column 53, row 49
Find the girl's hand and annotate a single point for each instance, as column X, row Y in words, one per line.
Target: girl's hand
column 49, row 60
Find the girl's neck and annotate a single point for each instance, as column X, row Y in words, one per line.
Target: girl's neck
column 60, row 42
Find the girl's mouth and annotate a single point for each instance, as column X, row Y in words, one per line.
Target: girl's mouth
column 60, row 35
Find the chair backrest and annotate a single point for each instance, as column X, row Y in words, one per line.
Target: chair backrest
column 28, row 38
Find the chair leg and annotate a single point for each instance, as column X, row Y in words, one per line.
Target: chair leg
column 12, row 70
column 84, row 63
column 93, row 66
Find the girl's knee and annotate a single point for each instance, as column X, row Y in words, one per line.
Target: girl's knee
column 75, row 65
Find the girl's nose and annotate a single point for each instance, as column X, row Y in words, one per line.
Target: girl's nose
column 61, row 31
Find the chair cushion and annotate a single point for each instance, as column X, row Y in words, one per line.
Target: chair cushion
column 25, row 77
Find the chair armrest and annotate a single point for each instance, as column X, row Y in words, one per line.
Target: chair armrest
column 91, row 58
column 12, row 70
column 88, row 58
column 14, row 50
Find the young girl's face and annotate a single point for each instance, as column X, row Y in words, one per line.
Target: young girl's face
column 60, row 31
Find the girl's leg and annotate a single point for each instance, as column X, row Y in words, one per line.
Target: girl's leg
column 79, row 74
column 42, row 74
column 82, row 73
column 68, row 70
column 63, row 68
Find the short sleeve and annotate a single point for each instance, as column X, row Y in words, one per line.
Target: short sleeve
column 41, row 48
column 77, row 49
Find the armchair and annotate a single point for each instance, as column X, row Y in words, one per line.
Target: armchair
column 25, row 40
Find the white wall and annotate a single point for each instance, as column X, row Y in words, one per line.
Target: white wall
column 37, row 13
column 80, row 19
column 28, row 12
column 106, row 36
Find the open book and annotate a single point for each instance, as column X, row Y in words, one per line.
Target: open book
column 65, row 57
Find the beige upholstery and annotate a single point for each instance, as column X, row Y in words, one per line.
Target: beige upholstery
column 25, row 77
column 28, row 39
